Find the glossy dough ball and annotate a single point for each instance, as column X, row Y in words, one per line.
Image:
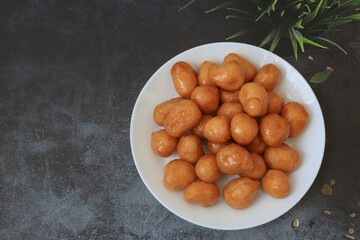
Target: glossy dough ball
column 254, row 99
column 206, row 168
column 182, row 117
column 239, row 193
column 283, row 158
column 206, row 97
column 184, row 79
column 162, row 110
column 178, row 174
column 217, row 129
column 228, row 76
column 259, row 167
column 203, row 75
column 297, row 116
column 229, row 96
column 248, row 68
column 276, row 183
column 230, row 109
column 189, row 148
column 276, row 103
column 274, row 129
column 202, row 193
column 268, row 76
column 215, row 147
column 198, row 130
column 234, row 159
column 162, row 144
column 243, row 128
column 257, row 145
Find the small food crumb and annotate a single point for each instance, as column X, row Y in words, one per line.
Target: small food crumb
column 358, row 203
column 310, row 58
column 349, row 237
column 332, row 182
column 351, row 230
column 181, row 230
column 296, row 223
column 326, row 189
column 327, row 212
column 352, row 224
column 352, row 215
column 329, row 68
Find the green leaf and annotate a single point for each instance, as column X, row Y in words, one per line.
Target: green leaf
column 308, row 41
column 298, row 24
column 231, row 16
column 293, row 41
column 282, row 13
column 236, row 35
column 312, row 15
column 299, row 38
column 320, row 76
column 263, row 13
column 267, row 38
column 273, row 5
column 276, row 39
column 241, row 11
column 333, row 43
column 220, row 6
column 188, row 4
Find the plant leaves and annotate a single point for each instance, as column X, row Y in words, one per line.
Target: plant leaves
column 293, row 41
column 220, row 6
column 320, row 76
column 276, row 39
column 312, row 15
column 308, row 41
column 333, row 43
column 299, row 38
column 267, row 38
column 236, row 35
column 188, row 4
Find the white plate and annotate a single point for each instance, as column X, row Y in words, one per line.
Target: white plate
column 310, row 144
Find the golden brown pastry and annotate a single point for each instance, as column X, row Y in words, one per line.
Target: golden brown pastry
column 206, row 168
column 283, row 158
column 162, row 144
column 297, row 116
column 233, row 159
column 206, row 97
column 276, row 183
column 227, row 76
column 243, row 128
column 184, row 79
column 254, row 99
column 189, row 148
column 268, row 76
column 202, row 193
column 239, row 193
column 274, row 129
column 178, row 174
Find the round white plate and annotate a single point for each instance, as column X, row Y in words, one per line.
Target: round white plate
column 310, row 144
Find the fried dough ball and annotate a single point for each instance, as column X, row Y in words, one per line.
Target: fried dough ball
column 254, row 99
column 283, row 158
column 227, row 76
column 243, row 128
column 206, row 168
column 239, row 193
column 257, row 145
column 276, row 183
column 182, row 117
column 230, row 109
column 217, row 129
column 297, row 116
column 206, row 97
column 259, row 167
column 162, row 110
column 276, row 103
column 274, row 129
column 198, row 130
column 162, row 144
column 184, row 79
column 229, row 96
column 202, row 193
column 203, row 74
column 178, row 174
column 248, row 68
column 234, row 159
column 268, row 76
column 215, row 147
column 189, row 148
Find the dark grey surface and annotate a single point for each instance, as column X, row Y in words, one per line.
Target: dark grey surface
column 69, row 77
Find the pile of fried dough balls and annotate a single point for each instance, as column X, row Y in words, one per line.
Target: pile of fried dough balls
column 245, row 123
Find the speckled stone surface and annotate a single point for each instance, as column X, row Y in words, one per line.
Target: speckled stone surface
column 70, row 73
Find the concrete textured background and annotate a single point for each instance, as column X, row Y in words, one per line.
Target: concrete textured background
column 70, row 73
